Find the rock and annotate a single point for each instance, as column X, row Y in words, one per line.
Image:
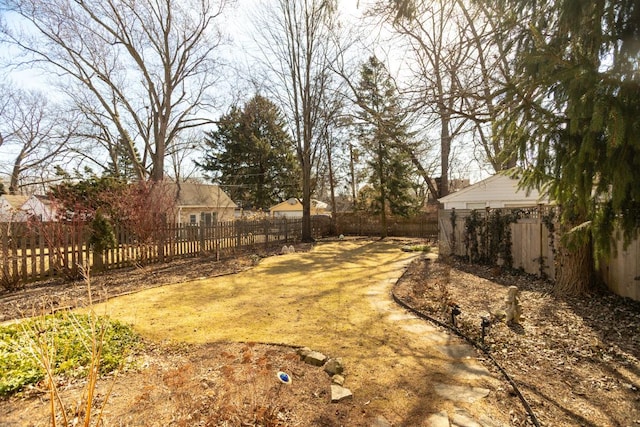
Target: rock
column 381, row 421
column 292, row 250
column 339, row 393
column 459, row 393
column 441, row 419
column 457, row 351
column 315, row 358
column 303, row 351
column 463, row 419
column 337, row 379
column 285, row 250
column 334, row 366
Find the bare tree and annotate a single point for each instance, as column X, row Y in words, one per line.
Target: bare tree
column 294, row 38
column 459, row 67
column 142, row 70
column 182, row 156
column 35, row 133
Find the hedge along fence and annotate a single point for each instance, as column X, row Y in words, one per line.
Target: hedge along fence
column 361, row 224
column 511, row 238
column 34, row 251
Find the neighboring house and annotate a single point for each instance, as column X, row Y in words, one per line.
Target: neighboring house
column 292, row 208
column 11, row 208
column 40, row 208
column 22, row 208
column 497, row 191
column 205, row 203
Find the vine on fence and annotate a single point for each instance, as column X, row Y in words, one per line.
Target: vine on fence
column 472, row 235
column 453, row 231
column 488, row 238
column 548, row 219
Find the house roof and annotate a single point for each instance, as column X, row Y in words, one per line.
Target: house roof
column 291, row 204
column 296, row 205
column 195, row 194
column 15, row 201
column 498, row 187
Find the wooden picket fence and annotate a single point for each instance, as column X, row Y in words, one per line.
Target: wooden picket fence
column 36, row 251
column 360, row 224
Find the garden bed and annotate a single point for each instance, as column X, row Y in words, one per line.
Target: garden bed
column 574, row 359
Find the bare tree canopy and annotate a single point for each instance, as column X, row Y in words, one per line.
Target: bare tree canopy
column 36, row 133
column 295, row 44
column 459, row 66
column 141, row 71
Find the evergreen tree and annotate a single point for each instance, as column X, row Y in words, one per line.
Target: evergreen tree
column 122, row 166
column 382, row 131
column 252, row 157
column 575, row 119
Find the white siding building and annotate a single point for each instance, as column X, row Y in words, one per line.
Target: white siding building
column 497, row 191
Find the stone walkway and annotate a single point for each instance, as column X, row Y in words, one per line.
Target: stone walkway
column 472, row 381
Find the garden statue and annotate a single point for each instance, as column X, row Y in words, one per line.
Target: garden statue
column 512, row 305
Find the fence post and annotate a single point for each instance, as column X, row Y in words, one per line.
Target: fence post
column 201, row 238
column 286, row 230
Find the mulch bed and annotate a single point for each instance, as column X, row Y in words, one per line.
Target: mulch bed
column 575, row 359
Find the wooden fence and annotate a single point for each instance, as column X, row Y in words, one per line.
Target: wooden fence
column 360, row 224
column 34, row 251
column 532, row 249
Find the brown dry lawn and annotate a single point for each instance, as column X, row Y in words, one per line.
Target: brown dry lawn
column 321, row 300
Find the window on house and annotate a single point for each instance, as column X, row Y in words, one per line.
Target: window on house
column 193, row 219
column 208, row 218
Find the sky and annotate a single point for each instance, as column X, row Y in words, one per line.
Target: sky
column 238, row 26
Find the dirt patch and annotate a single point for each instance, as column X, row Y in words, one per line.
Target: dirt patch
column 209, row 385
column 574, row 359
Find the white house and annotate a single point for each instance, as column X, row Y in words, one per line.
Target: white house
column 40, row 208
column 17, row 208
column 11, row 208
column 497, row 191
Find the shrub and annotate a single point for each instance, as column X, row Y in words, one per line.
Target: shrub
column 67, row 338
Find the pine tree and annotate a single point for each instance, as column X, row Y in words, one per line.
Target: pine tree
column 382, row 130
column 575, row 120
column 122, row 166
column 251, row 155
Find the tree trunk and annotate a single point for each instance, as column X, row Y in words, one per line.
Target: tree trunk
column 574, row 269
column 332, row 189
column 445, row 150
column 354, row 197
column 306, row 201
column 14, row 183
column 383, row 192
